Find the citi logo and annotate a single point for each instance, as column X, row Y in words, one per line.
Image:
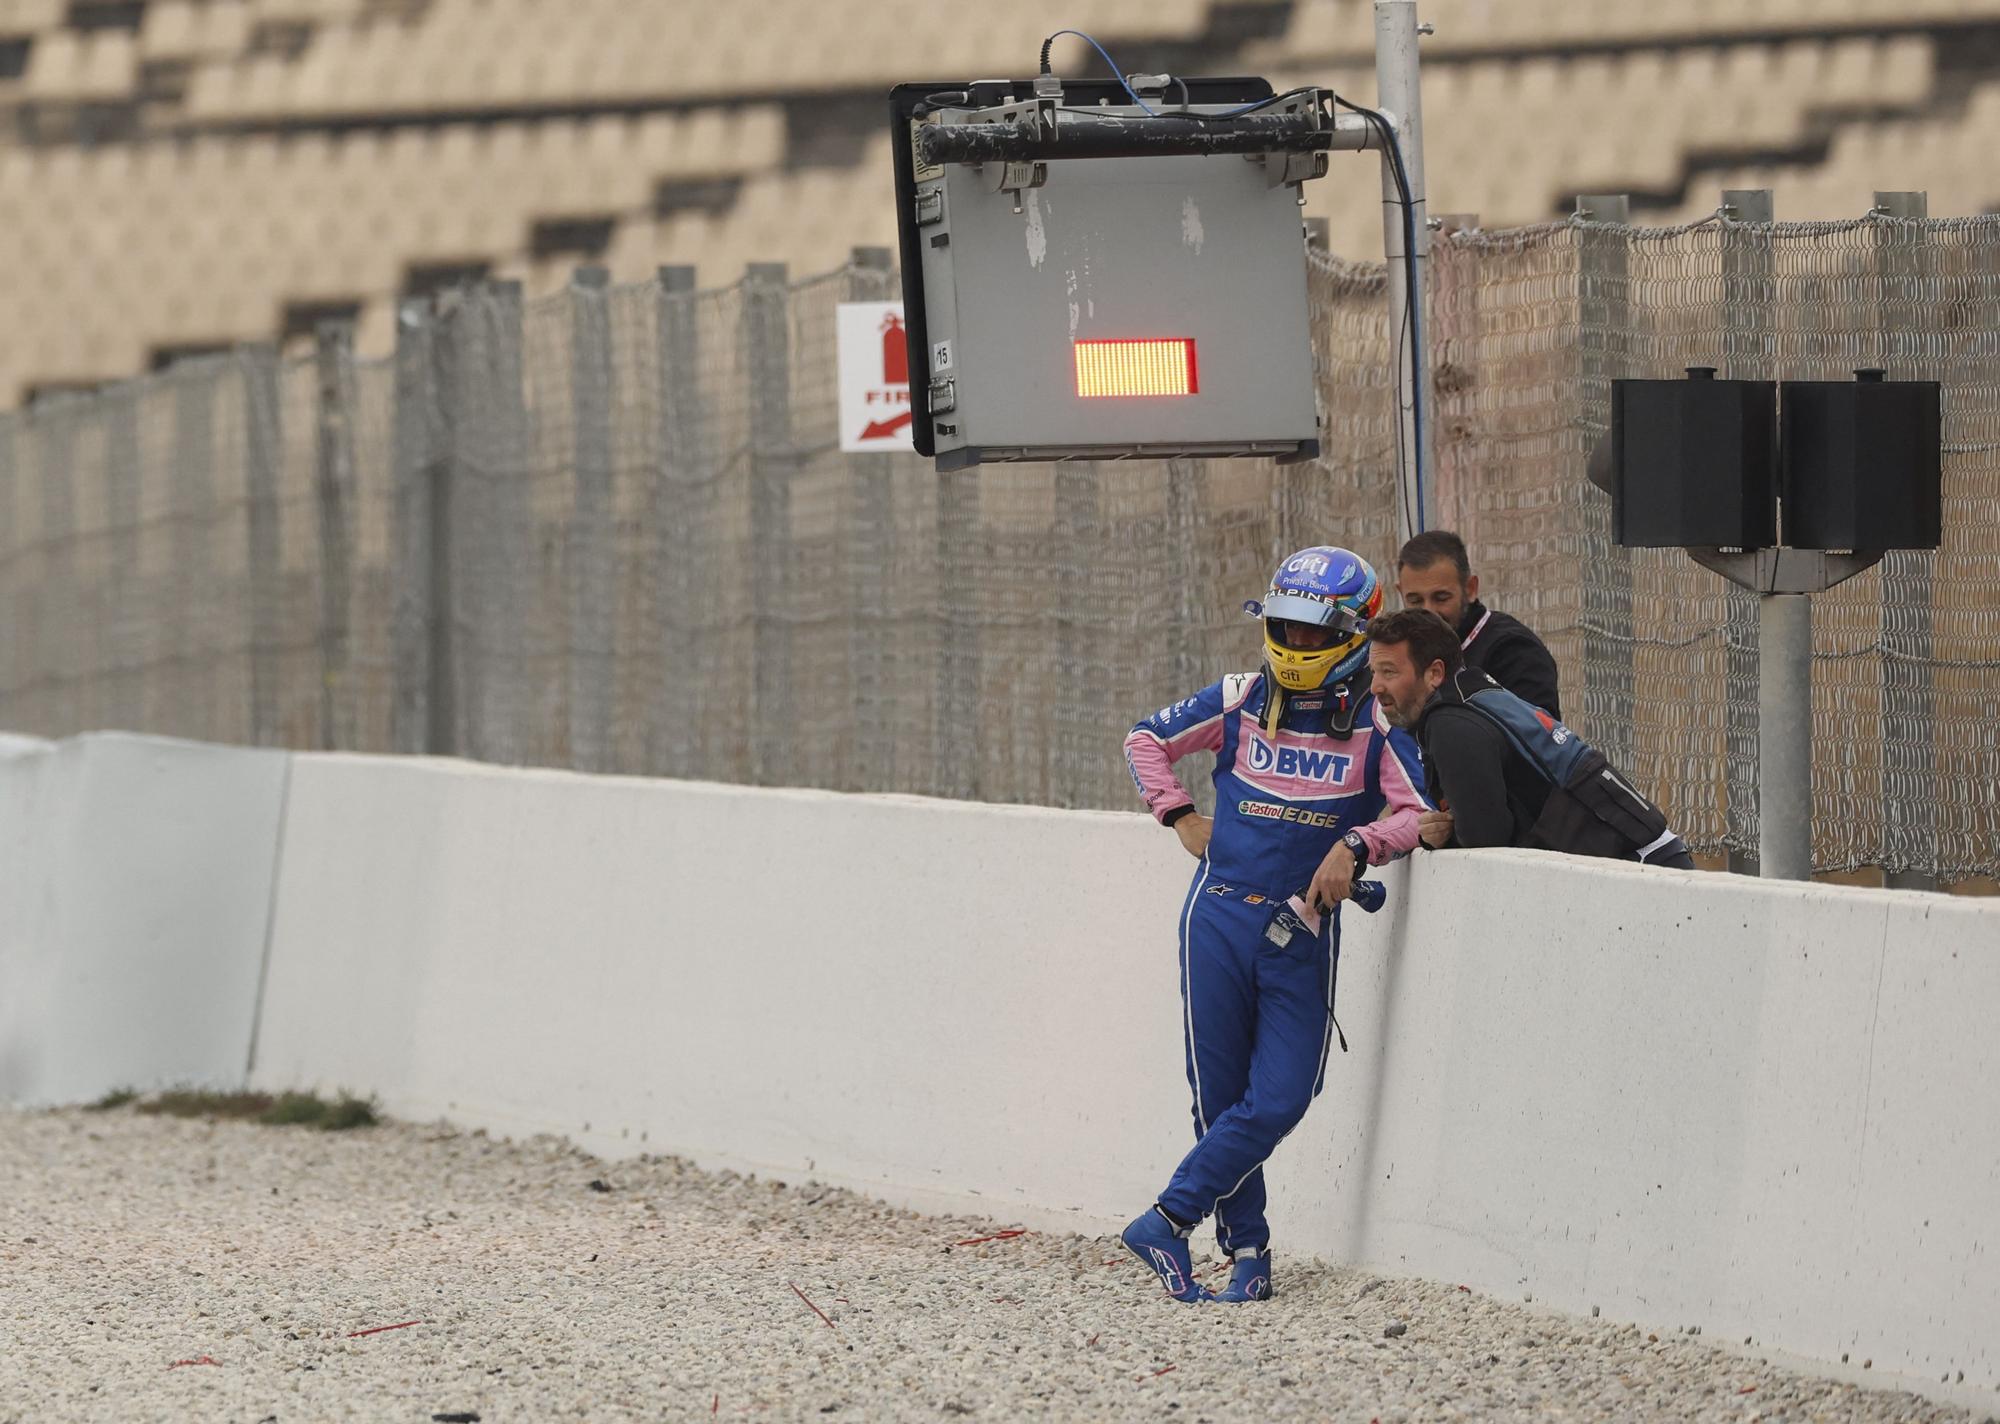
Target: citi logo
column 1297, row 761
column 1307, row 564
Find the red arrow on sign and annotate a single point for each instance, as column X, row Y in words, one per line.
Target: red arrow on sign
column 878, row 428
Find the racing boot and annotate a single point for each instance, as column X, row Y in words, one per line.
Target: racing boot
column 1160, row 1244
column 1249, row 1279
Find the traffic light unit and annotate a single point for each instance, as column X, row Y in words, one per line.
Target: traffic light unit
column 1092, row 272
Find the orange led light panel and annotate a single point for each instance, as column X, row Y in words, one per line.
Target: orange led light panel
column 1135, row 368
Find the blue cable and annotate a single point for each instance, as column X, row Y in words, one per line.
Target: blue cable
column 1119, row 75
column 1116, row 72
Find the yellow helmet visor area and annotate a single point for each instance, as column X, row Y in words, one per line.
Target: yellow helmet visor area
column 1303, row 669
column 1306, row 669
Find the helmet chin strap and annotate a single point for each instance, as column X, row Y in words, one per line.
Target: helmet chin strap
column 1274, row 706
column 1340, row 712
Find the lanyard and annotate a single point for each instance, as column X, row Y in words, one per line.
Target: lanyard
column 1477, row 629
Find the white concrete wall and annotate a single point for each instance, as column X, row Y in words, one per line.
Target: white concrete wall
column 1770, row 1110
column 912, row 996
column 135, row 889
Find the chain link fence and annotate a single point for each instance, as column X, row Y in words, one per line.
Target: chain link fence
column 611, row 529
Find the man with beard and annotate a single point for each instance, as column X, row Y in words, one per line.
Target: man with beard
column 1434, row 572
column 1503, row 771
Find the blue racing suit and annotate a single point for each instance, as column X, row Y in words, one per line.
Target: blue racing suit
column 1258, row 1017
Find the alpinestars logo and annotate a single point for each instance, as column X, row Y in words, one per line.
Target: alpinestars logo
column 1169, row 1269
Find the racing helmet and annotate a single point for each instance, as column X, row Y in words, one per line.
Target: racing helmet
column 1324, row 587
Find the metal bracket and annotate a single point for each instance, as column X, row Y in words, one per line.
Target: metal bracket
column 1015, row 177
column 1786, row 570
column 930, row 207
column 1290, row 169
column 944, row 395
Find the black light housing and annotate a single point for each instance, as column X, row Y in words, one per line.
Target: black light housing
column 1862, row 463
column 1693, row 462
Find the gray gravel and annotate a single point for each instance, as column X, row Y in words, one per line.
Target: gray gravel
column 128, row 1243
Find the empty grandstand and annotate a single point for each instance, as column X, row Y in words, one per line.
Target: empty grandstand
column 181, row 175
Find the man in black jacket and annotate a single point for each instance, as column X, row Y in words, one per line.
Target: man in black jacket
column 1505, row 772
column 1433, row 572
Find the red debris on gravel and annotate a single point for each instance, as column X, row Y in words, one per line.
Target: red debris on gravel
column 198, row 1360
column 378, row 1329
column 815, row 1309
column 1162, row 1370
column 996, row 1236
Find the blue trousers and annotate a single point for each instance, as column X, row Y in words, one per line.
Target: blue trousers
column 1258, row 1020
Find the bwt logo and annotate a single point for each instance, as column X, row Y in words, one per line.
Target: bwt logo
column 1297, row 761
column 1308, row 564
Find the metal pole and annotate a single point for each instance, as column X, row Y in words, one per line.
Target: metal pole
column 1911, row 793
column 593, row 539
column 1397, row 90
column 1784, row 736
column 684, row 524
column 767, row 344
column 421, row 717
column 1749, row 321
column 1603, row 708
column 871, row 532
column 334, row 483
column 264, row 458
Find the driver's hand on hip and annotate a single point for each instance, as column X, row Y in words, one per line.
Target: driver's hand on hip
column 1194, row 830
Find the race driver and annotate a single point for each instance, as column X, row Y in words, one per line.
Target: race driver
column 1304, row 766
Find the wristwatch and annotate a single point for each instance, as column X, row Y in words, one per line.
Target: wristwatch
column 1353, row 841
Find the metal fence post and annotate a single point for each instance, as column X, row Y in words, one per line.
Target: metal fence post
column 959, row 571
column 767, row 349
column 1604, row 351
column 507, row 700
column 871, row 558
column 1187, row 482
column 420, row 716
column 1077, row 745
column 124, row 593
column 1910, row 851
column 682, row 506
column 334, row 367
column 1749, row 321
column 196, row 685
column 263, row 469
column 12, row 537
column 593, row 552
column 1455, row 336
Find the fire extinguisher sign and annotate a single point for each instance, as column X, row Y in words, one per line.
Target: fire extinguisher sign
column 874, row 377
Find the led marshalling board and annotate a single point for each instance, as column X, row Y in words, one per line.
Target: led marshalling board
column 1117, row 307
column 1135, row 368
